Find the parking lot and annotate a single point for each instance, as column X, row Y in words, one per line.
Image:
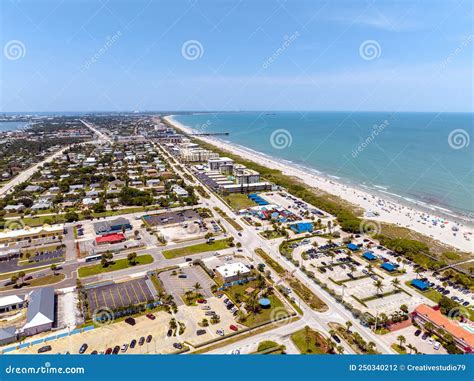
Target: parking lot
column 184, row 280
column 45, row 258
column 117, row 295
column 423, row 345
column 171, row 217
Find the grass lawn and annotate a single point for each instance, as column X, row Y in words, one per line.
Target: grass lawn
column 309, row 297
column 271, row 234
column 32, row 270
column 228, row 219
column 118, row 264
column 43, row 281
column 400, row 350
column 265, row 315
column 195, row 249
column 273, row 264
column 309, row 341
column 269, row 347
column 239, row 201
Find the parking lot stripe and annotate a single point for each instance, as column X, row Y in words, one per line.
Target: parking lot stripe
column 96, row 299
column 128, row 296
column 112, row 296
column 135, row 292
column 143, row 292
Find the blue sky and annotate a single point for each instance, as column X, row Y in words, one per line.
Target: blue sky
column 242, row 55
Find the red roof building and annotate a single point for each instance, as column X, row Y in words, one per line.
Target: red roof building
column 463, row 338
column 110, row 238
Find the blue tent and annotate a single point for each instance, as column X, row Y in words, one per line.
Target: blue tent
column 419, row 284
column 369, row 255
column 388, row 266
column 352, row 247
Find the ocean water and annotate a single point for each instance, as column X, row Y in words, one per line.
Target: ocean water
column 423, row 158
column 12, row 126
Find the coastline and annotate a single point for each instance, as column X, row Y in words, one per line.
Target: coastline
column 390, row 211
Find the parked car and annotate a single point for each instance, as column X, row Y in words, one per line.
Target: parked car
column 83, row 348
column 149, row 338
column 94, row 352
column 151, row 316
column 336, row 338
column 178, row 346
column 116, row 350
column 233, row 327
column 133, row 343
column 220, row 332
column 424, row 336
column 201, row 301
column 130, row 321
column 182, row 276
column 418, row 332
column 108, row 351
column 436, row 345
column 141, row 340
column 46, row 348
column 200, row 332
column 124, row 348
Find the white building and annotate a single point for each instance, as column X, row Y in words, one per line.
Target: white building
column 232, row 272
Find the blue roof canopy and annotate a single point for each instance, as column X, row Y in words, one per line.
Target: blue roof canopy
column 369, row 255
column 352, row 247
column 388, row 266
column 419, row 284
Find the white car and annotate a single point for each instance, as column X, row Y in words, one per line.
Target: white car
column 220, row 332
column 431, row 341
column 436, row 345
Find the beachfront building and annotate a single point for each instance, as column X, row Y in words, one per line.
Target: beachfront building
column 462, row 334
column 246, row 188
column 192, row 153
column 232, row 272
column 245, row 175
column 40, row 313
column 223, row 165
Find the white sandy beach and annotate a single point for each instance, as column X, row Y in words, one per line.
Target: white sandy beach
column 389, row 211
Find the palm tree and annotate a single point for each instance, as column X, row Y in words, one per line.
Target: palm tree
column 369, row 268
column 348, row 326
column 54, row 268
column 371, row 346
column 329, row 226
column 395, row 282
column 401, row 340
column 197, row 287
column 379, row 286
column 410, row 347
column 340, row 349
column 419, row 271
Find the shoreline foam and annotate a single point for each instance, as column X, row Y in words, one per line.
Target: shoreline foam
column 390, row 210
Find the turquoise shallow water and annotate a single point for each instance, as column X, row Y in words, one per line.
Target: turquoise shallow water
column 422, row 157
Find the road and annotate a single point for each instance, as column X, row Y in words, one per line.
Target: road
column 251, row 240
column 100, row 134
column 26, row 174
